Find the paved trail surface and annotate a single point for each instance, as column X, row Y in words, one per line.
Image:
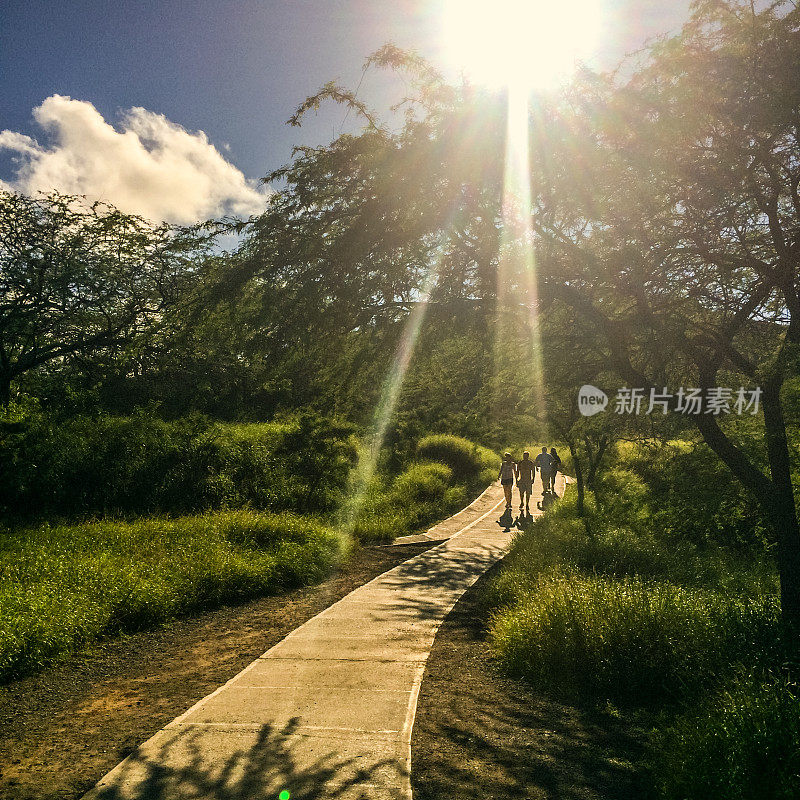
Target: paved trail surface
column 328, row 711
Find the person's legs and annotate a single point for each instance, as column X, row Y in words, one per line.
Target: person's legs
column 507, row 489
column 545, row 481
column 528, row 498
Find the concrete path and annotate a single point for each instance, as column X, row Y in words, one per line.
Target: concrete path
column 328, row 711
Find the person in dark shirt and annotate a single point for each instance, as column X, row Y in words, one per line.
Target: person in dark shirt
column 544, row 464
column 526, row 470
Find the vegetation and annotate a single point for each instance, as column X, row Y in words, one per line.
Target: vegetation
column 145, row 375
column 64, row 585
column 660, row 611
column 470, row 462
column 84, row 466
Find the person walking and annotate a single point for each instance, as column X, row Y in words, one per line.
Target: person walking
column 544, row 463
column 508, row 470
column 556, row 468
column 526, row 470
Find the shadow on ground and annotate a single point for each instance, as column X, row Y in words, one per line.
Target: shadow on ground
column 480, row 735
column 245, row 764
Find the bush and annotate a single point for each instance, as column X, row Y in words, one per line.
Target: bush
column 559, row 540
column 417, row 497
column 140, row 464
column 470, row 462
column 628, row 640
column 742, row 744
column 691, row 494
column 61, row 586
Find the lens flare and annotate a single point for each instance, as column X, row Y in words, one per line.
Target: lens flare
column 393, row 384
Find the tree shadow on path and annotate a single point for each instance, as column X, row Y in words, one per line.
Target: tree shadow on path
column 245, row 763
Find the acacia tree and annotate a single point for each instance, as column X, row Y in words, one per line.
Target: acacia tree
column 76, row 280
column 671, row 221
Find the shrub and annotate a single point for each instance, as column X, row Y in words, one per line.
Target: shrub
column 418, row 496
column 61, row 586
column 691, row 495
column 559, row 540
column 741, row 744
column 140, row 464
column 628, row 640
column 470, row 462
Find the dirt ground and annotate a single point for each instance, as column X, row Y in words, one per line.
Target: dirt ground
column 480, row 735
column 63, row 729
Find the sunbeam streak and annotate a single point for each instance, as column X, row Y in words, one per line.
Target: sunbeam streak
column 517, row 293
column 371, row 446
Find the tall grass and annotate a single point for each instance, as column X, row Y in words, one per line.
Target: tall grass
column 645, row 607
column 417, row 497
column 629, row 640
column 740, row 744
column 471, row 463
column 64, row 585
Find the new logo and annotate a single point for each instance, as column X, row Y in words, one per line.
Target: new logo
column 591, row 400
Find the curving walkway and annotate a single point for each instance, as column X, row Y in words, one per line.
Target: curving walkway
column 328, row 711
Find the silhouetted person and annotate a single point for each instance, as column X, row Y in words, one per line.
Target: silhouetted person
column 544, row 463
column 526, row 470
column 508, row 470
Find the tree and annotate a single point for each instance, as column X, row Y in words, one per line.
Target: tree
column 676, row 228
column 76, row 280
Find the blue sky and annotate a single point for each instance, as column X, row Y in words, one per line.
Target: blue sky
column 235, row 69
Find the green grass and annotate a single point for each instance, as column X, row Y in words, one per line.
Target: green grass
column 419, row 496
column 64, row 585
column 741, row 744
column 643, row 607
column 628, row 640
column 471, row 463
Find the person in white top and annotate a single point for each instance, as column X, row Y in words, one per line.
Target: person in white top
column 508, row 470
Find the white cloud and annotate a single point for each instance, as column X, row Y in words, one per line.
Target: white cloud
column 148, row 166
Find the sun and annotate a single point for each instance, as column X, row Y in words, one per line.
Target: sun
column 531, row 44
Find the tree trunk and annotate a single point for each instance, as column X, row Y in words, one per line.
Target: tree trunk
column 781, row 510
column 5, row 389
column 579, row 482
column 775, row 497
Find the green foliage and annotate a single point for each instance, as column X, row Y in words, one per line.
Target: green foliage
column 417, row 497
column 64, row 585
column 741, row 744
column 78, row 280
column 470, row 462
column 628, row 640
column 651, row 602
column 141, row 464
column 691, row 495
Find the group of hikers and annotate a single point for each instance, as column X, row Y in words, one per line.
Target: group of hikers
column 548, row 464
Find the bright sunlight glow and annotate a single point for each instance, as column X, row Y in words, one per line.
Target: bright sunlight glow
column 526, row 43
